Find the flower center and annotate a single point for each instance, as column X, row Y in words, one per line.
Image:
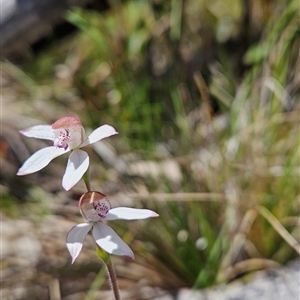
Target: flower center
column 102, row 207
column 62, row 140
column 94, row 206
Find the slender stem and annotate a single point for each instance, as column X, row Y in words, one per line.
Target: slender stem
column 87, row 181
column 105, row 257
column 112, row 278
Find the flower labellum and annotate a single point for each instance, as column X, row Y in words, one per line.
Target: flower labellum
column 67, row 134
column 95, row 208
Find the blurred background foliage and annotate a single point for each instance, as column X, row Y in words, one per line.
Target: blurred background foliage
column 205, row 96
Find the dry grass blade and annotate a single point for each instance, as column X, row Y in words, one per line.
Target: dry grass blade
column 54, row 289
column 279, row 228
column 204, row 92
column 249, row 265
column 178, row 197
column 238, row 241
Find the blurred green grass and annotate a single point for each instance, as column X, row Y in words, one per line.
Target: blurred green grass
column 216, row 85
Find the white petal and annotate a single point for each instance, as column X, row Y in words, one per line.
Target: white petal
column 98, row 134
column 127, row 213
column 76, row 237
column 39, row 160
column 40, row 132
column 110, row 242
column 78, row 163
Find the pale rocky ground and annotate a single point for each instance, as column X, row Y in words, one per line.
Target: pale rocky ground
column 277, row 284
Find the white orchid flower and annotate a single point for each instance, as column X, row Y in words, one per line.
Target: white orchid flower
column 67, row 135
column 95, row 207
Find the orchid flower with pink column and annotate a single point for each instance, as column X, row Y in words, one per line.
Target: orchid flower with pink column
column 67, row 134
column 95, row 207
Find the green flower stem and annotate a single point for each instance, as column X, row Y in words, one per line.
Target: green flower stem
column 87, row 181
column 110, row 272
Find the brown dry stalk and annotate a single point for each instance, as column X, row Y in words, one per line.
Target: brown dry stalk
column 237, row 242
column 178, row 196
column 54, row 289
column 249, row 265
column 204, row 92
